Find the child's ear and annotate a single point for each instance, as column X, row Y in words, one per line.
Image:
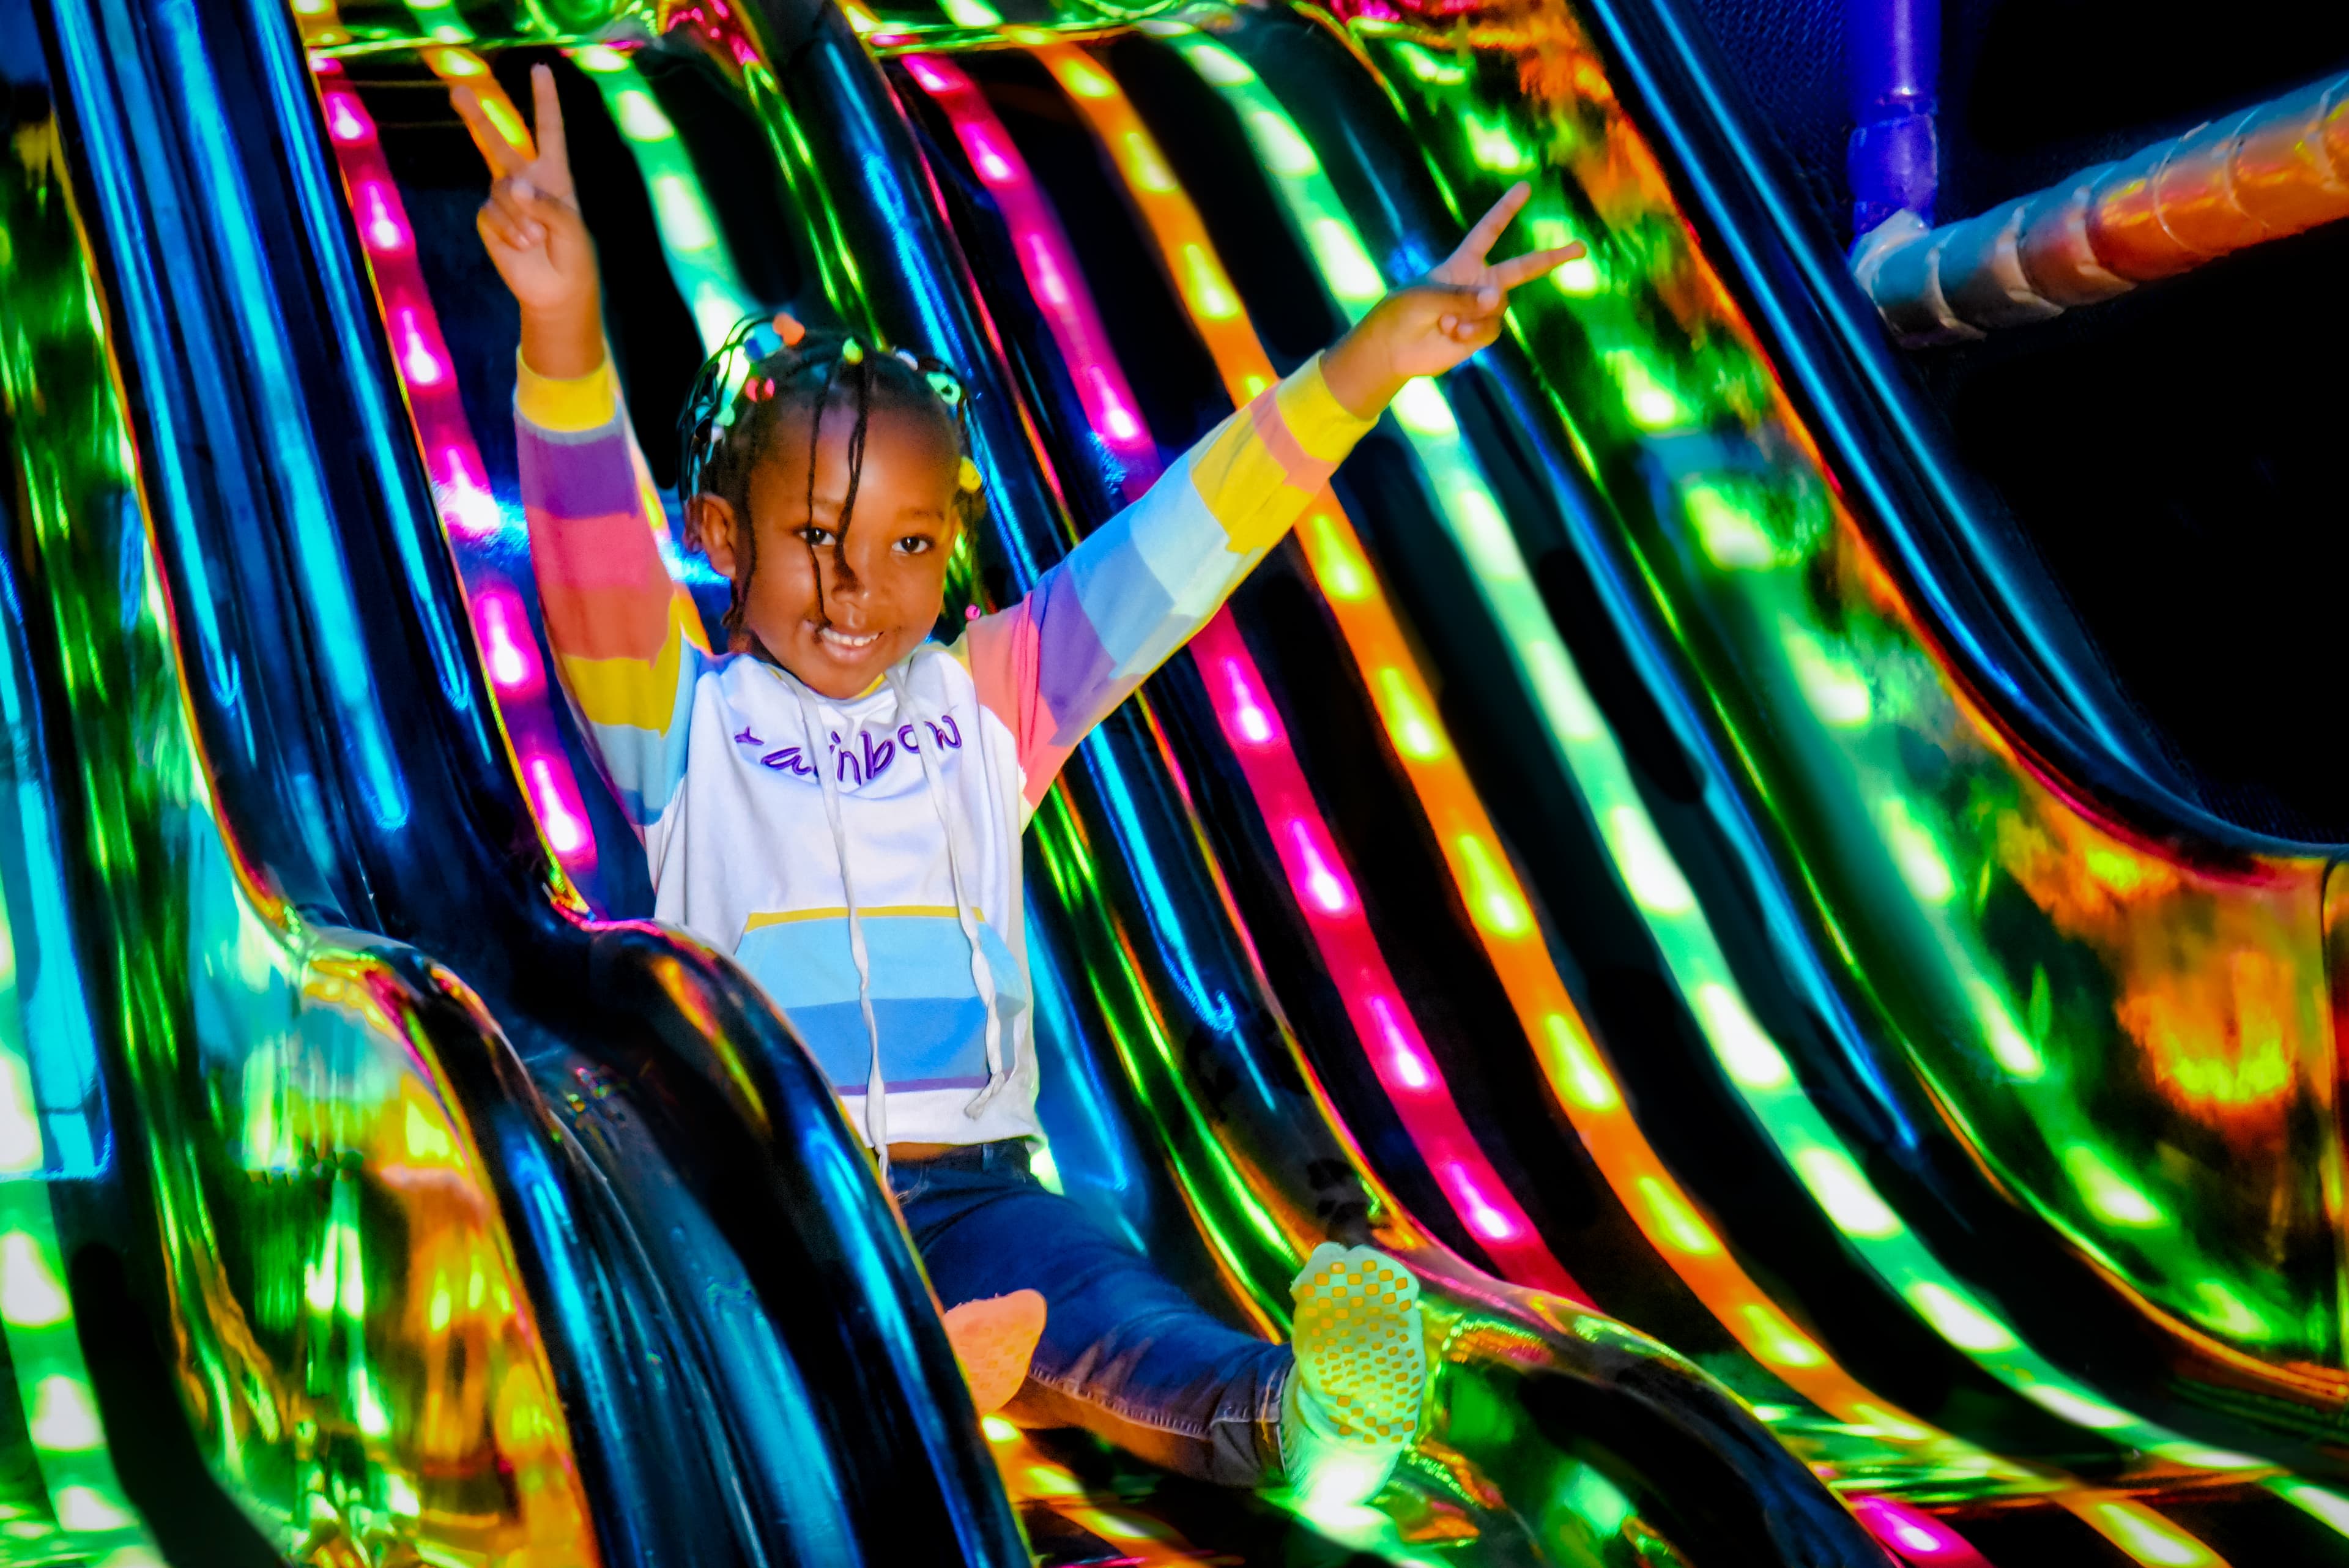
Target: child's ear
column 710, row 526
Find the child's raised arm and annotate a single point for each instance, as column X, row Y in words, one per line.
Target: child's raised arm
column 1094, row 626
column 627, row 640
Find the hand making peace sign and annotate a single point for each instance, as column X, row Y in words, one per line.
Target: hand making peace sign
column 532, row 229
column 1426, row 328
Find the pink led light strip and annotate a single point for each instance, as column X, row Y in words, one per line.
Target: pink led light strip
column 1317, row 874
column 1374, row 1005
column 460, row 486
column 1050, row 266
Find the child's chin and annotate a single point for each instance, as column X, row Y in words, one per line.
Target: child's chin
column 838, row 672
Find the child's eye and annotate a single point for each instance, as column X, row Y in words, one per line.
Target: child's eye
column 816, row 535
column 913, row 545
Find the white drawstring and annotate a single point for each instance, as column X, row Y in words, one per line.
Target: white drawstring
column 982, row 974
column 876, row 1090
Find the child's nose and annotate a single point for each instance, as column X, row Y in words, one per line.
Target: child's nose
column 845, row 578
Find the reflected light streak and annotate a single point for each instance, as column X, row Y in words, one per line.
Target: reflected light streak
column 692, row 240
column 1593, row 760
column 1916, row 1536
column 460, row 492
column 1049, row 264
column 1569, row 1058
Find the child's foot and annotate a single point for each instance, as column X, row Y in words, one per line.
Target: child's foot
column 995, row 1339
column 1352, row 1405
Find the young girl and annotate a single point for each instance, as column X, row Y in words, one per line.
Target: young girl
column 837, row 800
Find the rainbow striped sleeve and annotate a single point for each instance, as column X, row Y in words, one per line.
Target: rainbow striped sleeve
column 1119, row 605
column 627, row 641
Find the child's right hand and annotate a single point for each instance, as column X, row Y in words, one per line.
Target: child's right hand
column 532, row 229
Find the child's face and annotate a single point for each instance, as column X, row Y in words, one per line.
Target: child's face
column 881, row 592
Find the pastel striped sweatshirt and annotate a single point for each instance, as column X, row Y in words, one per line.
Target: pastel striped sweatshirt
column 722, row 762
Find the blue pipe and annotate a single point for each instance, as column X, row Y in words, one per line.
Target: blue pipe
column 1892, row 66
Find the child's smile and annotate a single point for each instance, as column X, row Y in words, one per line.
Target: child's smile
column 837, row 615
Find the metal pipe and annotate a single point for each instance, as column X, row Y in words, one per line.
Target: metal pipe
column 2268, row 172
column 1892, row 63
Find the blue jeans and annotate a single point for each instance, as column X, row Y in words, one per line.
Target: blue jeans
column 1125, row 1353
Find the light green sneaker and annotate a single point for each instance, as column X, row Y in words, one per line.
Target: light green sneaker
column 1352, row 1405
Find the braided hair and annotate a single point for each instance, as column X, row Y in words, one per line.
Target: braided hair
column 736, row 413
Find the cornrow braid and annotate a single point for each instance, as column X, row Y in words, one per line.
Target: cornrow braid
column 737, row 410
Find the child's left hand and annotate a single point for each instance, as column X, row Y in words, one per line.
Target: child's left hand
column 1427, row 327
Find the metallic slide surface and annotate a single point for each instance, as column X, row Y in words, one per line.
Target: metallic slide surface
column 1683, row 912
column 353, row 768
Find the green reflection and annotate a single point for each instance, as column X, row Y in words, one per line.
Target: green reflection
column 311, row 1176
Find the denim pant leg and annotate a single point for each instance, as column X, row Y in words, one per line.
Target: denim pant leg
column 1125, row 1353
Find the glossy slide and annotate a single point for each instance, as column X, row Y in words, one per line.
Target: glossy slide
column 1946, row 1107
column 718, row 1294
column 1155, row 983
column 2001, row 1063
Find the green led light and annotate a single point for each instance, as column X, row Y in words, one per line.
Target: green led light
column 1341, row 573
column 1218, row 64
column 1204, row 286
column 1958, row 1319
column 439, row 21
column 1651, row 403
column 1149, row 171
column 971, row 12
column 2008, row 1046
column 1578, row 279
column 64, row 1418
column 684, row 220
column 640, row 118
column 1429, row 68
column 1084, row 81
column 1282, row 149
column 1346, row 266
column 699, row 261
column 1675, row 1220
column 2229, row 1314
column 1846, row 1196
column 2150, row 1539
column 30, row 1296
column 1915, row 852
column 1493, row 146
column 1559, row 688
column 1596, row 1501
column 20, row 1122
column 1648, row 868
column 86, row 1512
column 1586, row 1080
column 509, row 125
column 1779, row 1343
column 1835, row 692
column 2330, row 1506
column 1421, row 409
column 1749, row 1053
column 1485, row 536
column 2110, row 1196
column 1414, row 732
column 1493, row 903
